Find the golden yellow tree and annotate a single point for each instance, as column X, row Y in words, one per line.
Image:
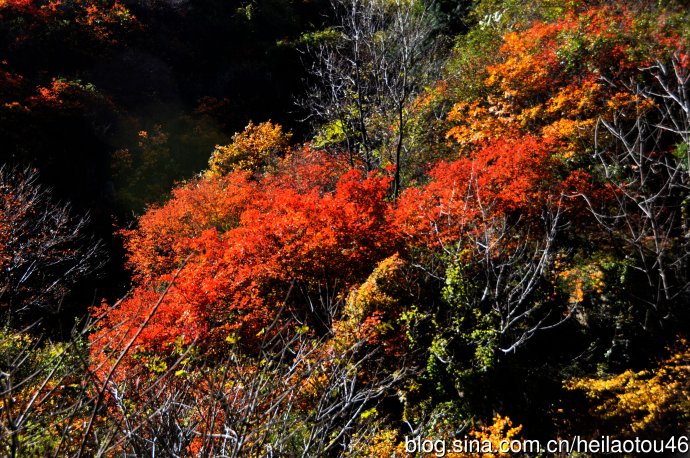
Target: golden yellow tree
column 253, row 150
column 647, row 401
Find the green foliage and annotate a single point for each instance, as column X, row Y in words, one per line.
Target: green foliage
column 465, row 324
column 450, row 16
column 40, row 383
column 508, row 15
column 682, row 155
column 332, row 133
column 328, row 35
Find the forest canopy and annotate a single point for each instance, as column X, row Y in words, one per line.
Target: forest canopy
column 288, row 228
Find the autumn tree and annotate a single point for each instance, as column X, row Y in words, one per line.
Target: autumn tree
column 648, row 402
column 299, row 394
column 311, row 226
column 642, row 153
column 283, row 303
column 487, row 228
column 254, row 149
column 603, row 84
column 367, row 69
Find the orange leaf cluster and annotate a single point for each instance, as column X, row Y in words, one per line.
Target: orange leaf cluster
column 553, row 80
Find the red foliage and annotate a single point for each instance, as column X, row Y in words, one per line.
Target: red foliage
column 100, row 20
column 19, row 6
column 505, row 176
column 164, row 236
column 246, row 243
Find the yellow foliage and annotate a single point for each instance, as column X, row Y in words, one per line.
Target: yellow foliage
column 476, row 123
column 367, row 304
column 500, row 431
column 366, row 318
column 576, row 99
column 253, row 149
column 573, row 132
column 645, row 401
column 386, row 442
column 382, row 444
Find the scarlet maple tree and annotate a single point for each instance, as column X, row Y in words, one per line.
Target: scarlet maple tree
column 297, row 238
column 509, row 176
